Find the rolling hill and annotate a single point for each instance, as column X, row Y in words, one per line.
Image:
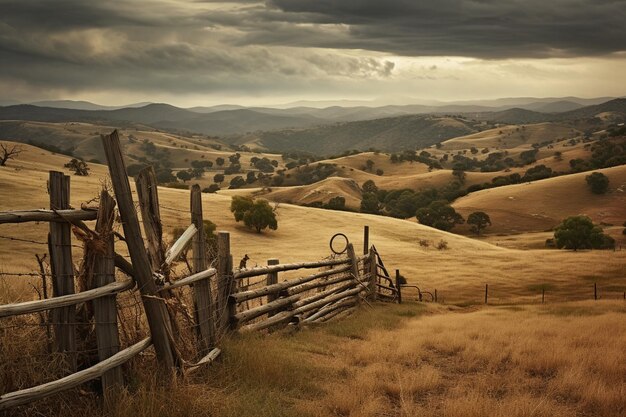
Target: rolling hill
column 390, row 134
column 541, row 205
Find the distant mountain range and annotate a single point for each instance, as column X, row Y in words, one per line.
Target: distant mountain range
column 309, row 128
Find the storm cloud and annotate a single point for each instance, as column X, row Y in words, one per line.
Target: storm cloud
column 184, row 47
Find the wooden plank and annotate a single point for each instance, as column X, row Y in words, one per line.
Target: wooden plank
column 245, row 273
column 366, row 240
column 23, row 216
column 179, row 246
column 203, row 300
column 62, row 269
column 271, row 279
column 156, row 313
column 29, row 395
column 345, row 302
column 398, row 287
column 323, row 294
column 354, row 264
column 277, row 288
column 190, row 280
column 209, row 358
column 35, row 306
column 317, row 284
column 225, row 281
column 148, row 197
column 373, row 275
column 276, row 305
column 105, row 308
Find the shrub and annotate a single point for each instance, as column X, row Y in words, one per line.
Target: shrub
column 598, row 182
column 442, row 245
column 211, row 188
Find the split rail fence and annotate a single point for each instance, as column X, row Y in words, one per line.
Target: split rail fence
column 224, row 299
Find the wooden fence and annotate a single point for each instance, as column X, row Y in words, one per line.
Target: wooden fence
column 224, row 298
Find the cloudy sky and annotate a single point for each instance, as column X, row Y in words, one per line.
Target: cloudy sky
column 268, row 52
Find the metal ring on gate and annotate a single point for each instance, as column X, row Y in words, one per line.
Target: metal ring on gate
column 332, row 239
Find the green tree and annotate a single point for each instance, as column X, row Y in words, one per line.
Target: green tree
column 336, row 203
column 370, row 204
column 218, row 178
column 598, row 182
column 254, row 214
column 237, row 182
column 440, row 215
column 478, row 221
column 369, row 186
column 219, row 161
column 184, row 176
column 78, row 167
column 578, row 232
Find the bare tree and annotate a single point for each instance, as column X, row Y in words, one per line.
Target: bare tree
column 8, row 152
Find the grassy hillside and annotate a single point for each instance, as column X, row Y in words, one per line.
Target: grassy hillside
column 404, row 132
column 303, row 233
column 541, row 205
column 508, row 137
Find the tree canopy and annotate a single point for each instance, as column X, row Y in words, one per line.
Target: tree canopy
column 598, row 182
column 579, row 232
column 440, row 215
column 478, row 221
column 255, row 214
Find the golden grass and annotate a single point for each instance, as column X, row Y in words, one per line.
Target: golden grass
column 557, row 360
column 517, row 360
column 507, row 137
column 541, row 205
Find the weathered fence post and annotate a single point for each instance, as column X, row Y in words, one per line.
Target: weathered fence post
column 486, row 293
column 59, row 243
column 366, row 239
column 156, row 312
column 201, row 289
column 435, row 294
column 272, row 278
column 225, row 280
column 373, row 271
column 398, row 286
column 105, row 308
column 354, row 270
column 543, row 294
column 595, row 291
column 148, row 196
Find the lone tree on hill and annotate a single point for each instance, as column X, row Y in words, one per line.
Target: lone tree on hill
column 440, row 215
column 598, row 182
column 256, row 215
column 78, row 167
column 478, row 221
column 218, row 178
column 8, row 152
column 579, row 232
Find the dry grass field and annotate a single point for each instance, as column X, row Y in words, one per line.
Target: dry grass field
column 512, row 136
column 541, row 205
column 456, row 358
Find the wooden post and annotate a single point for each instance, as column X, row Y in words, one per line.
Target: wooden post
column 543, row 294
column 398, row 287
column 354, row 270
column 435, row 294
column 366, row 239
column 272, row 278
column 373, row 271
column 202, row 289
column 60, row 242
column 486, row 293
column 148, row 196
column 105, row 308
column 225, row 280
column 156, row 312
column 595, row 291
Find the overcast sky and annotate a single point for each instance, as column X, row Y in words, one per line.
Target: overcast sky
column 247, row 52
